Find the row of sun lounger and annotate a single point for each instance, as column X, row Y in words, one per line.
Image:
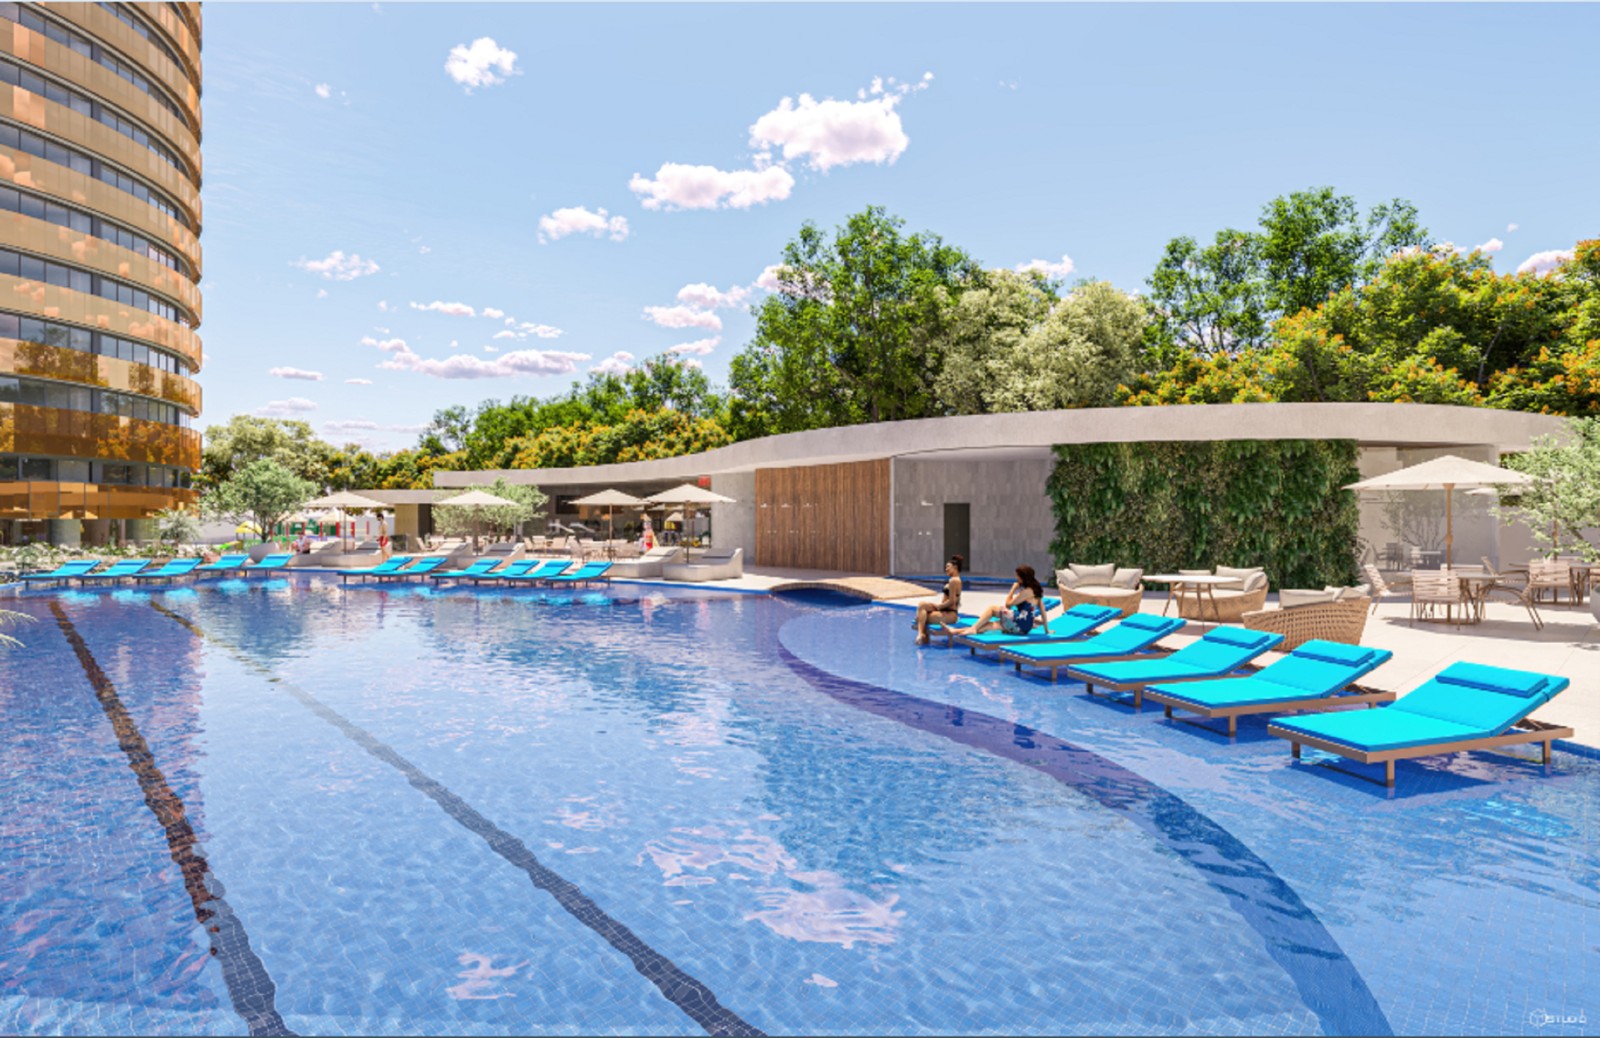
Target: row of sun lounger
column 1467, row 706
column 400, row 567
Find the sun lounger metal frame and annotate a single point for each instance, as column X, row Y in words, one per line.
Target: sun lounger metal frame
column 1525, row 731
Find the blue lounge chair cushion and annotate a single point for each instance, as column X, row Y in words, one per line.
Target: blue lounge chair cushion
column 271, row 562
column 66, row 569
column 1134, row 634
column 1386, row 728
column 226, row 562
column 588, row 571
column 1220, row 652
column 1075, row 622
column 1441, row 710
column 1300, row 675
column 1494, row 679
column 1225, row 692
column 478, row 567
column 126, row 568
column 174, row 568
column 427, row 565
column 1336, row 652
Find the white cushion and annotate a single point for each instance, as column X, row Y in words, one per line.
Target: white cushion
column 1094, row 574
column 1066, row 578
column 1194, row 573
column 1126, row 577
column 1294, row 598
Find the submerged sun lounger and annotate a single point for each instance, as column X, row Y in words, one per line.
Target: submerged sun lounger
column 948, row 631
column 390, row 566
column 545, row 570
column 1130, row 639
column 423, row 567
column 521, row 567
column 478, row 568
column 1069, row 626
column 1317, row 675
column 1220, row 652
column 173, row 568
column 1467, row 706
column 269, row 562
column 117, row 571
column 224, row 564
column 588, row 573
column 66, row 571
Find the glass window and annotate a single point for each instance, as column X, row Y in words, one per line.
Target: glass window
column 8, row 468
column 72, row 471
column 37, row 468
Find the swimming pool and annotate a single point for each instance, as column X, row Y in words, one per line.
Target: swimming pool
column 289, row 805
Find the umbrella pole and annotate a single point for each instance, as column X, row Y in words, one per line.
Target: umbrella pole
column 1449, row 526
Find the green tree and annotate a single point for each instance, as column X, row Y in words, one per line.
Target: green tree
column 493, row 519
column 847, row 336
column 448, row 430
column 176, row 526
column 1224, row 297
column 1013, row 346
column 243, row 439
column 1564, row 499
column 262, row 494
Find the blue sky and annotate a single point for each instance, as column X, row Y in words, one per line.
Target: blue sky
column 374, row 170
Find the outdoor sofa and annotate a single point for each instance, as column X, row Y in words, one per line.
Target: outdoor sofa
column 1332, row 614
column 713, row 564
column 647, row 566
column 1106, row 585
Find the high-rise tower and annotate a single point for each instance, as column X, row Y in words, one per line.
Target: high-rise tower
column 99, row 266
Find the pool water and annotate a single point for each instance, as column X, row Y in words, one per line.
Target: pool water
column 289, row 806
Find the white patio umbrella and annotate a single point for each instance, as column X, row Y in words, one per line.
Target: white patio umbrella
column 1448, row 473
column 344, row 501
column 477, row 500
column 610, row 500
column 688, row 495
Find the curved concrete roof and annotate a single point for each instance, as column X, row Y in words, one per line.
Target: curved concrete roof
column 1033, row 433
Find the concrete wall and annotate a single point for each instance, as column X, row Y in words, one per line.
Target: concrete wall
column 734, row 525
column 1011, row 518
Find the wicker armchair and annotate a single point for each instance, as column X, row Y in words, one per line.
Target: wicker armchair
column 1340, row 621
column 1126, row 599
column 1223, row 605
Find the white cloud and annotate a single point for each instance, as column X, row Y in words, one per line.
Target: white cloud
column 383, row 304
column 833, row 133
column 322, row 293
column 506, row 333
column 1545, row 262
column 1492, row 245
column 283, row 408
column 619, row 363
column 690, row 362
column 768, row 279
column 1510, row 227
column 491, row 349
column 491, row 313
column 678, row 186
column 699, row 347
column 300, row 373
column 455, row 344
column 465, row 365
column 452, row 309
column 353, row 425
column 358, row 381
column 424, row 249
column 683, row 317
column 338, row 267
column 708, row 297
column 480, row 63
column 578, row 220
column 1049, row 268
column 323, row 90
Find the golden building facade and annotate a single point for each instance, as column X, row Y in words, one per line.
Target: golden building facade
column 99, row 267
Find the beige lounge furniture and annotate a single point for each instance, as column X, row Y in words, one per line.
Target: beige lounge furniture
column 713, row 564
column 1226, row 603
column 1331, row 615
column 1382, row 588
column 1436, row 595
column 1549, row 576
column 648, row 566
column 1106, row 585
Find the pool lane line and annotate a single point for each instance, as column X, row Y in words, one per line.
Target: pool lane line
column 1328, row 982
column 694, row 998
column 250, row 987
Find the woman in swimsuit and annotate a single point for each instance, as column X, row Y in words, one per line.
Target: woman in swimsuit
column 945, row 611
column 1024, row 607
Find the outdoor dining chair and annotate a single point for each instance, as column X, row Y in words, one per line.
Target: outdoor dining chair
column 1431, row 589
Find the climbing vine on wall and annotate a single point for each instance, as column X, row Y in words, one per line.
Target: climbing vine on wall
column 1169, row 506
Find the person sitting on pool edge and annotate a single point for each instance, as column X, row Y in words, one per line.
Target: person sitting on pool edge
column 945, row 611
column 1023, row 607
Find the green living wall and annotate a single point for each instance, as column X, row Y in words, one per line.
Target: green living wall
column 1170, row 506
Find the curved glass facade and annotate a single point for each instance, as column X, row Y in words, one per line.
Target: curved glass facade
column 100, row 265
